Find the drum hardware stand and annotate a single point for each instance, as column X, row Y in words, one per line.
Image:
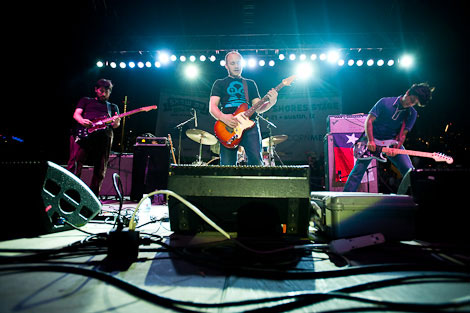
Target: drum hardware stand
column 180, row 128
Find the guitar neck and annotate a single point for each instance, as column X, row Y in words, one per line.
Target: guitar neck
column 408, row 152
column 110, row 119
column 257, row 105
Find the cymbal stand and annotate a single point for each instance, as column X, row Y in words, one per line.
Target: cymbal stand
column 180, row 129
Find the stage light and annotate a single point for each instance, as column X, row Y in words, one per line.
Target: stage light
column 173, row 58
column 292, row 56
column 163, row 57
column 340, row 62
column 271, row 63
column 122, row 65
column 304, row 70
column 282, row 56
column 390, row 62
column 302, row 57
column 359, row 62
column 370, row 62
column 140, row 64
column 222, row 62
column 406, row 61
column 182, row 58
column 148, row 64
column 202, row 58
column 251, row 62
column 212, row 58
column 323, row 56
column 350, row 62
column 131, row 64
column 192, row 58
column 191, row 71
column 113, row 64
column 99, row 64
column 313, row 56
column 380, row 62
column 262, row 63
column 333, row 56
column 157, row 64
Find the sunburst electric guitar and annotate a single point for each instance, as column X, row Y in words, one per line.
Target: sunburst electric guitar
column 360, row 151
column 231, row 137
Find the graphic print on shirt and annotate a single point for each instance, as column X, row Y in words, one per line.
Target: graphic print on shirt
column 236, row 94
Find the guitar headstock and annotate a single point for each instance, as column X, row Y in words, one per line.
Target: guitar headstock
column 149, row 108
column 287, row 81
column 440, row 157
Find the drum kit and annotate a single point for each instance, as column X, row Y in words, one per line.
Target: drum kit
column 205, row 138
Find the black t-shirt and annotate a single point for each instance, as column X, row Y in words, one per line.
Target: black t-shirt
column 95, row 109
column 232, row 93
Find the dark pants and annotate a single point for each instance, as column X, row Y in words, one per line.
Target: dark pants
column 95, row 149
column 251, row 142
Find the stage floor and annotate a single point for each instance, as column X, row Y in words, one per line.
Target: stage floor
column 70, row 272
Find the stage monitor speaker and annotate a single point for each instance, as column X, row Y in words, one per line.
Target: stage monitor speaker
column 440, row 195
column 38, row 195
column 118, row 163
column 149, row 169
column 252, row 201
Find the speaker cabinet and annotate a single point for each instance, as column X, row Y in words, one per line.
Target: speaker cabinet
column 118, row 163
column 440, row 195
column 149, row 169
column 39, row 195
column 253, row 201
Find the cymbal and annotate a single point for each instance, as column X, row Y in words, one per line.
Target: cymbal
column 201, row 136
column 216, row 148
column 274, row 139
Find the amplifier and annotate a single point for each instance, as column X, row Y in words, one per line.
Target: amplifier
column 253, row 201
column 151, row 141
column 343, row 123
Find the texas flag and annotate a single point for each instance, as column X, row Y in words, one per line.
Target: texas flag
column 343, row 150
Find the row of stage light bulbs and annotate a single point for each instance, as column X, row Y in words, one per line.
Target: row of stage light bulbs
column 163, row 59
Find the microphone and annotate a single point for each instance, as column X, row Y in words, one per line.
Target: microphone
column 195, row 118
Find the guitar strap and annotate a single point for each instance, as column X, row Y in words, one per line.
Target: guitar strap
column 245, row 89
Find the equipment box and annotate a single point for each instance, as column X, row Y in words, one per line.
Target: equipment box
column 352, row 214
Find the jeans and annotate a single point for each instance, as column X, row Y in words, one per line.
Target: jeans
column 401, row 161
column 95, row 148
column 251, row 141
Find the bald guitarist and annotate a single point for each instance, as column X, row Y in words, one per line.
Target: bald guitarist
column 227, row 95
column 391, row 118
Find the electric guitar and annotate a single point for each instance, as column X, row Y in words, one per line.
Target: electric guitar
column 82, row 132
column 231, row 137
column 361, row 152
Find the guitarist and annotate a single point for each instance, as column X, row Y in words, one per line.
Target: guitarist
column 96, row 145
column 227, row 95
column 391, row 118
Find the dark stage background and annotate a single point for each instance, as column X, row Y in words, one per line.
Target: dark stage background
column 53, row 49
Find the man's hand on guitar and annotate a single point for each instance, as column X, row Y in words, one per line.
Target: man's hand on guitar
column 371, row 146
column 86, row 123
column 229, row 120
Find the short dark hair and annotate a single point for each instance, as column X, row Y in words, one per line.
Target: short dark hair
column 106, row 83
column 423, row 91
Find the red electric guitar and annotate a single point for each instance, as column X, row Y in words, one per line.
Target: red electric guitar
column 231, row 137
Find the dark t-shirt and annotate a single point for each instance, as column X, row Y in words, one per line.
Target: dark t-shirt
column 232, row 93
column 95, row 109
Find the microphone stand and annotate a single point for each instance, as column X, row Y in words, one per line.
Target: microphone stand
column 270, row 145
column 180, row 128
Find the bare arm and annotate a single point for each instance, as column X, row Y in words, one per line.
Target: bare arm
column 77, row 115
column 272, row 95
column 369, row 128
column 227, row 119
